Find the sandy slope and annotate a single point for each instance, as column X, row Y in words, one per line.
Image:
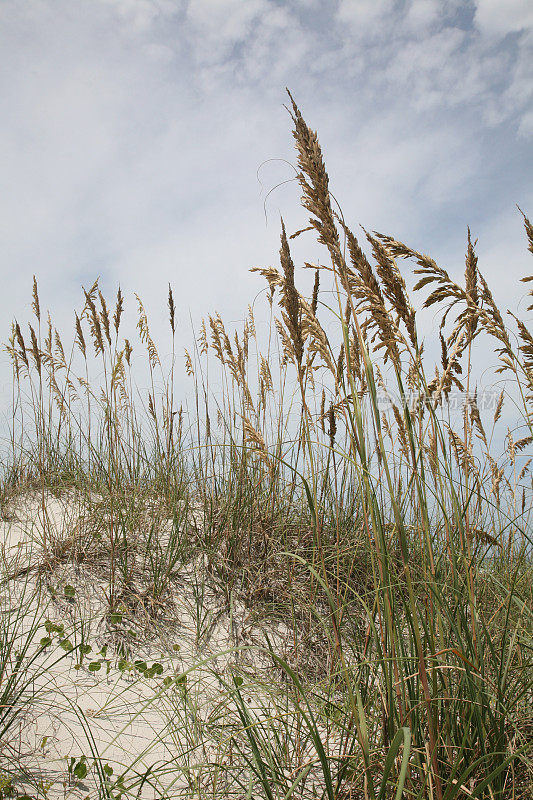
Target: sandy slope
column 138, row 724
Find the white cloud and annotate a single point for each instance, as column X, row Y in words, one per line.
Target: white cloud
column 220, row 25
column 497, row 18
column 422, row 14
column 133, row 129
column 525, row 129
column 364, row 13
column 140, row 15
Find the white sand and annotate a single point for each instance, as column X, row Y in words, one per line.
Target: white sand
column 136, row 723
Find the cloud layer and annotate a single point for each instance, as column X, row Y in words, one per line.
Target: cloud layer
column 134, row 132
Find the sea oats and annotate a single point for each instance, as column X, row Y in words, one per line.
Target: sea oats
column 35, row 350
column 463, row 454
column 447, row 291
column 254, row 437
column 21, row 344
column 290, row 300
column 428, row 269
column 188, row 364
column 340, row 365
column 497, row 476
column 302, row 230
column 145, row 337
column 444, row 359
column 332, row 430
column 94, row 322
column 90, row 299
column 241, row 352
column 229, row 357
column 499, row 407
column 402, row 431
column 266, row 374
column 362, row 285
column 316, row 337
column 203, row 344
column 151, row 406
column 525, row 347
column 271, row 275
column 60, row 350
column 451, row 370
column 35, row 300
column 10, row 349
column 432, row 452
column 526, row 280
column 47, row 354
column 323, row 411
column 525, row 469
column 413, row 374
column 511, row 448
column 118, row 310
column 492, row 321
column 128, row 349
column 314, row 299
column 287, row 348
column 80, row 339
column 172, row 310
column 471, row 284
column 356, row 361
column 347, row 312
column 118, row 379
column 529, row 233
column 393, row 286
column 58, row 396
column 475, row 418
column 521, row 444
column 104, row 317
column 314, row 183
column 215, row 323
column 251, row 322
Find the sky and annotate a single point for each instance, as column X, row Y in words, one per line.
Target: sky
column 147, row 141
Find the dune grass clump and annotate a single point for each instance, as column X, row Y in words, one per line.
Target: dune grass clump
column 327, row 486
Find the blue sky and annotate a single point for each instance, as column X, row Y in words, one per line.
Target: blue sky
column 140, row 139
